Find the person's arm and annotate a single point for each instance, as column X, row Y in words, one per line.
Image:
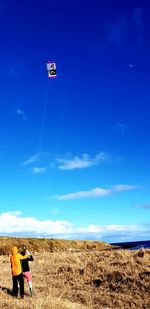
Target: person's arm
column 22, row 257
column 30, row 257
column 10, row 263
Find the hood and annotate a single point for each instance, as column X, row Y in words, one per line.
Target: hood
column 14, row 250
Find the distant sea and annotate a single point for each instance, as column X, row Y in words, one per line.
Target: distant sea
column 133, row 245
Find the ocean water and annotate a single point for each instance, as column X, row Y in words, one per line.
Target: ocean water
column 133, row 245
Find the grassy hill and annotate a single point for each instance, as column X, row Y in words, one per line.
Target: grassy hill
column 49, row 245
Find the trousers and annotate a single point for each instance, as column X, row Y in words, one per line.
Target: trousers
column 18, row 280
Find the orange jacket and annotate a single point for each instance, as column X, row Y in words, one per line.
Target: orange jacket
column 15, row 261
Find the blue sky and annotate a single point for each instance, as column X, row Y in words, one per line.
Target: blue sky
column 75, row 151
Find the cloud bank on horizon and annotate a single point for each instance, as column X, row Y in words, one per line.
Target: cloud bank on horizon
column 15, row 224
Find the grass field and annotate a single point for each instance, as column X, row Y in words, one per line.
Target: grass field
column 92, row 279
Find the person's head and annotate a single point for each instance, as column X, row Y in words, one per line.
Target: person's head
column 14, row 250
column 24, row 248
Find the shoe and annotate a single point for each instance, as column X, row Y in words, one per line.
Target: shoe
column 14, row 295
column 31, row 291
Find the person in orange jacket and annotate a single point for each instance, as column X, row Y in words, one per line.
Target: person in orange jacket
column 17, row 275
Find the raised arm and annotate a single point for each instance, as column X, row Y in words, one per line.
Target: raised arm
column 30, row 257
column 22, row 257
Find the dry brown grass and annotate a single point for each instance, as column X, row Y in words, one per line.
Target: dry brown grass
column 49, row 245
column 76, row 280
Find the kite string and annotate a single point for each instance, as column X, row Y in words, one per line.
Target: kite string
column 61, row 122
column 43, row 119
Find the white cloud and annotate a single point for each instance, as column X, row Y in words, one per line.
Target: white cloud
column 81, row 162
column 121, row 188
column 21, row 114
column 13, row 223
column 16, row 213
column 39, row 170
column 97, row 192
column 36, row 158
column 68, row 163
column 33, row 159
column 110, row 228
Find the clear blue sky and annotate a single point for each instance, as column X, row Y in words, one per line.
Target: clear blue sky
column 75, row 150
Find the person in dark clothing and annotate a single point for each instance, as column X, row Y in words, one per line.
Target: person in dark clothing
column 17, row 275
column 26, row 268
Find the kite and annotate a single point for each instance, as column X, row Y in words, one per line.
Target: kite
column 51, row 69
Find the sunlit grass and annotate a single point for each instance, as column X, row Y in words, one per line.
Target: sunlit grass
column 83, row 279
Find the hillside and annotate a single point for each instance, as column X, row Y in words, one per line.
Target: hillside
column 49, row 245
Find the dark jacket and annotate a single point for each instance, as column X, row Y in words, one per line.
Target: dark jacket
column 25, row 264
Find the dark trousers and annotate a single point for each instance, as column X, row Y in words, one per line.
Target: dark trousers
column 18, row 280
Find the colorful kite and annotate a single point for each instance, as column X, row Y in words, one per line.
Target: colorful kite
column 51, row 69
